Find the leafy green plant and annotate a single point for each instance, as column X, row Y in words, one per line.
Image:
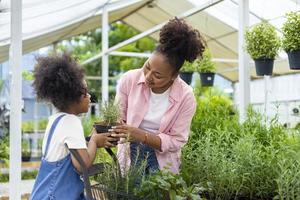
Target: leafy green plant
column 110, row 112
column 28, row 126
column 125, row 183
column 205, row 64
column 291, row 33
column 188, row 67
column 262, row 41
column 27, row 75
column 240, row 161
column 4, row 150
column 26, row 151
column 166, row 185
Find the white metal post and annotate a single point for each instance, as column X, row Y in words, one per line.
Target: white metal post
column 105, row 66
column 15, row 57
column 244, row 70
column 267, row 98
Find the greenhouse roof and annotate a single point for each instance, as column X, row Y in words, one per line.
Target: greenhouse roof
column 45, row 22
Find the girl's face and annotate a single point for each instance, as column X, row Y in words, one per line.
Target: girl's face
column 84, row 102
column 159, row 74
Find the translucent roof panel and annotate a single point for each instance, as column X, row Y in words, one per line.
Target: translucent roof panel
column 46, row 22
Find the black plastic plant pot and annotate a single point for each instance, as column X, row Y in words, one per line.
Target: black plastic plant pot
column 186, row 76
column 26, row 158
column 264, row 66
column 207, row 79
column 294, row 59
column 100, row 128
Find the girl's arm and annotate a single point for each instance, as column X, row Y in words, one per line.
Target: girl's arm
column 88, row 155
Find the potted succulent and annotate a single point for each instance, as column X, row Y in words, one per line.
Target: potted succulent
column 291, row 39
column 110, row 115
column 262, row 44
column 206, row 68
column 186, row 72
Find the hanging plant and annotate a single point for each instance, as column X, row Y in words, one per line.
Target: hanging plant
column 291, row 39
column 206, row 68
column 186, row 72
column 262, row 44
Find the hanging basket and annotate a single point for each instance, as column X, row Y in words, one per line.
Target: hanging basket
column 207, row 79
column 264, row 66
column 186, row 76
column 294, row 59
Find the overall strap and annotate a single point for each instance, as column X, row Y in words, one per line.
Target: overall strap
column 51, row 133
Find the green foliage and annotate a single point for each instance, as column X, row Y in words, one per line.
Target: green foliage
column 205, row 64
column 27, row 75
column 89, row 44
column 166, row 185
column 26, row 175
column 110, row 112
column 4, row 150
column 291, row 33
column 125, row 183
column 262, row 41
column 28, row 126
column 1, row 84
column 240, row 161
column 87, row 124
column 26, row 151
column 188, row 67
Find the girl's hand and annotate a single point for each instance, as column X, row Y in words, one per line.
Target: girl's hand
column 128, row 133
column 103, row 139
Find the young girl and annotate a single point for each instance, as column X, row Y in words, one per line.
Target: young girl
column 59, row 80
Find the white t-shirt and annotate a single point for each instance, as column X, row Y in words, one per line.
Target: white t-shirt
column 158, row 105
column 68, row 131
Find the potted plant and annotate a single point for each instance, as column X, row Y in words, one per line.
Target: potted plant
column 110, row 115
column 262, row 44
column 291, row 39
column 26, row 151
column 206, row 68
column 186, row 72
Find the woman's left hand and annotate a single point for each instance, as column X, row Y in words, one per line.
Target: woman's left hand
column 129, row 133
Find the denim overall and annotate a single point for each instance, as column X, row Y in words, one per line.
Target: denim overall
column 57, row 180
column 140, row 152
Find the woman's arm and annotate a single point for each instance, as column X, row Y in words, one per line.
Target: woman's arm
column 135, row 134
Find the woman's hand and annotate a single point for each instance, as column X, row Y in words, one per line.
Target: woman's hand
column 129, row 133
column 103, row 139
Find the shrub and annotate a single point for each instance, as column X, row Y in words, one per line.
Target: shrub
column 188, row 67
column 205, row 65
column 110, row 112
column 262, row 41
column 291, row 32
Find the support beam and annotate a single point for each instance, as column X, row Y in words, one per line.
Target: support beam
column 152, row 30
column 130, row 54
column 105, row 63
column 15, row 58
column 244, row 69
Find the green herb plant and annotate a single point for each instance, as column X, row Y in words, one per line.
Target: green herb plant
column 188, row 67
column 205, row 64
column 291, row 33
column 110, row 113
column 262, row 41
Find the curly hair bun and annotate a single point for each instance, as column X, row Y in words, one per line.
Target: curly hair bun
column 58, row 79
column 182, row 40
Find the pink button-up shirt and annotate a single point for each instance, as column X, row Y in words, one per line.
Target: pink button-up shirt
column 133, row 95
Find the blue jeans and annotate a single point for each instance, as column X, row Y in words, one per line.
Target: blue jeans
column 140, row 153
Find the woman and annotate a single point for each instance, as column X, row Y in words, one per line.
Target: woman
column 157, row 106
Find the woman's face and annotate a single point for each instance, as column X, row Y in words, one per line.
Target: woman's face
column 159, row 74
